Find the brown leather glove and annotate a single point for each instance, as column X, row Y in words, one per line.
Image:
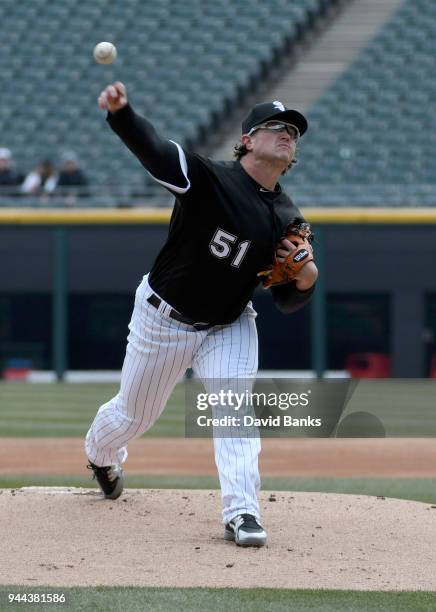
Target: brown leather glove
column 284, row 272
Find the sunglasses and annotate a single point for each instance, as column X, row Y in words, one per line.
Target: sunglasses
column 277, row 126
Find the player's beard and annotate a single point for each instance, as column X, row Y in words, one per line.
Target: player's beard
column 278, row 158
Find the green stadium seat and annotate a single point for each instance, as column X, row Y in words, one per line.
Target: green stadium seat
column 186, row 77
column 378, row 115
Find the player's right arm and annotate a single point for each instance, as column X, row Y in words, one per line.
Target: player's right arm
column 164, row 159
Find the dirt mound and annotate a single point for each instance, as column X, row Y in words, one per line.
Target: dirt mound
column 67, row 536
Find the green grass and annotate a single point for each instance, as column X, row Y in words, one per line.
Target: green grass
column 418, row 489
column 406, row 408
column 423, row 490
column 67, row 410
column 138, row 599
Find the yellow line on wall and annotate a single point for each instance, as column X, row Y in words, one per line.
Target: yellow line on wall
column 370, row 215
column 145, row 216
column 84, row 216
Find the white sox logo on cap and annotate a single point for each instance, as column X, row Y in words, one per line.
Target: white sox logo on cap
column 278, row 105
column 273, row 110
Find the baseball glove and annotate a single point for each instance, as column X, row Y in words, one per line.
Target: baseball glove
column 280, row 273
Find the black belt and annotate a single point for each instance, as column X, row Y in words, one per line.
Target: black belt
column 174, row 314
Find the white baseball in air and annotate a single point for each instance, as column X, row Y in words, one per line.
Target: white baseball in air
column 105, row 53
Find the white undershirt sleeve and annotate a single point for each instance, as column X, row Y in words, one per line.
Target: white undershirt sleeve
column 184, row 169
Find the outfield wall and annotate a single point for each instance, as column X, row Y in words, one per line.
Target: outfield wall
column 386, row 255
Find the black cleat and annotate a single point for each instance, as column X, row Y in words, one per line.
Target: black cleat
column 109, row 478
column 245, row 530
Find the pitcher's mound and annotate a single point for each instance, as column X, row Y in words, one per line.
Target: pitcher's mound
column 65, row 536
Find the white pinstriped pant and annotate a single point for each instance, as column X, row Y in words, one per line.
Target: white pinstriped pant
column 159, row 351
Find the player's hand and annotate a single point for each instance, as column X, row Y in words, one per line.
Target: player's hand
column 286, row 247
column 308, row 273
column 307, row 276
column 113, row 98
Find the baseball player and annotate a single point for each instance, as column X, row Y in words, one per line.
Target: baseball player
column 194, row 307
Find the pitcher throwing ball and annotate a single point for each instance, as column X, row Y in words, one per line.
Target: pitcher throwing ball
column 227, row 232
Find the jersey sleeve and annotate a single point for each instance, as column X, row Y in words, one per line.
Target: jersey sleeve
column 289, row 299
column 165, row 160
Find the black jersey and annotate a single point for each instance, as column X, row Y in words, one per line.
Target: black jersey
column 223, row 231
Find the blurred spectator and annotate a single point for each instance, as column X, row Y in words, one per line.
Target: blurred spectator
column 70, row 174
column 8, row 176
column 41, row 180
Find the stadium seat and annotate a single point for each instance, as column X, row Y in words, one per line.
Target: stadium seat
column 377, row 110
column 185, row 78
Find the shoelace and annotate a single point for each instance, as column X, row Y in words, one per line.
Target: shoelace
column 109, row 472
column 250, row 521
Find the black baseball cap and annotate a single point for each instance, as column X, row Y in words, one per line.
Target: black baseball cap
column 273, row 110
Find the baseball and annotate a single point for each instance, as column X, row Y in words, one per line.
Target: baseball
column 105, row 53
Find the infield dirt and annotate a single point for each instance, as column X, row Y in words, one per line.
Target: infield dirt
column 71, row 537
column 389, row 457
